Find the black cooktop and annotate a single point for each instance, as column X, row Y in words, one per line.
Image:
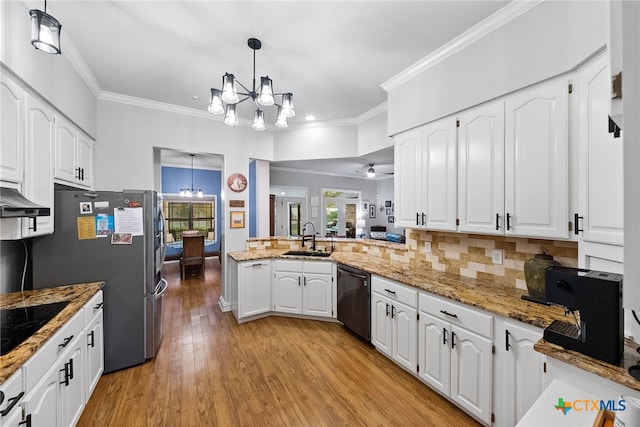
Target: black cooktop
column 18, row 324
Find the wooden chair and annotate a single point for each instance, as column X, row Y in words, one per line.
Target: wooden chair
column 192, row 253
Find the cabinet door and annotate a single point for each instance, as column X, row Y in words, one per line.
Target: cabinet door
column 601, row 177
column 85, row 160
column 481, row 169
column 11, row 130
column 38, row 173
column 381, row 323
column 404, row 335
column 254, row 292
column 41, row 403
column 287, row 292
column 433, row 352
column 407, row 179
column 72, row 396
column 523, row 371
column 95, row 354
column 471, row 372
column 536, row 161
column 316, row 295
column 439, row 183
column 65, row 151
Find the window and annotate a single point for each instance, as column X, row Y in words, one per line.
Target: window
column 340, row 209
column 190, row 215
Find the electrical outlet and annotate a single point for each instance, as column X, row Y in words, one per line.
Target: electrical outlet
column 496, row 256
column 427, row 247
column 365, row 248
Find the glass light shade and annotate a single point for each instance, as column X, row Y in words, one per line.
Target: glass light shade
column 187, row 193
column 200, row 194
column 229, row 90
column 287, row 105
column 281, row 120
column 230, row 116
column 183, row 192
column 45, row 31
column 266, row 92
column 258, row 120
column 215, row 102
column 371, row 173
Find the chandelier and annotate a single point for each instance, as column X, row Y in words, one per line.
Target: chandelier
column 226, row 100
column 189, row 192
column 45, row 31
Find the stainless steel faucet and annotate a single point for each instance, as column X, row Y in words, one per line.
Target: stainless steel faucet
column 306, row 237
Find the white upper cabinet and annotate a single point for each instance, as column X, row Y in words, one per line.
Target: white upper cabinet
column 12, row 99
column 407, row 179
column 439, row 167
column 73, row 164
column 481, row 169
column 425, row 176
column 38, row 180
column 537, row 161
column 601, row 163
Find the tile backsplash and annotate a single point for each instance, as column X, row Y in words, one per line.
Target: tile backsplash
column 467, row 255
column 470, row 255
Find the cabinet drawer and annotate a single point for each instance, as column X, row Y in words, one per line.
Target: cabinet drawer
column 42, row 360
column 319, row 267
column 288, row 265
column 92, row 307
column 11, row 390
column 395, row 291
column 457, row 314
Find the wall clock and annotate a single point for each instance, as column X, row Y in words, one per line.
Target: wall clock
column 237, row 182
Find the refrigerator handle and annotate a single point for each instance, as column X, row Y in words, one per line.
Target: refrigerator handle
column 164, row 233
column 161, row 288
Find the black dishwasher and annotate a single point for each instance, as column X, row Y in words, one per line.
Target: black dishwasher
column 354, row 300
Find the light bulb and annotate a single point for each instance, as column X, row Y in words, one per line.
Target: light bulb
column 230, row 117
column 281, row 120
column 229, row 91
column 266, row 92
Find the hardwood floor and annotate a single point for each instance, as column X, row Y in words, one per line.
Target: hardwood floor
column 276, row 371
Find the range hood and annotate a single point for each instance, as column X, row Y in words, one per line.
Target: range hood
column 15, row 205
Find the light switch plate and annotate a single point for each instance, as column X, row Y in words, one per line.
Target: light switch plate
column 427, row 247
column 496, row 256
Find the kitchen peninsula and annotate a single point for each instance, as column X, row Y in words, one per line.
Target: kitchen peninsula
column 497, row 303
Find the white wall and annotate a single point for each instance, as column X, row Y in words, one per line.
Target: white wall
column 124, row 155
column 52, row 76
column 315, row 142
column 384, row 192
column 372, row 134
column 547, row 40
column 262, row 197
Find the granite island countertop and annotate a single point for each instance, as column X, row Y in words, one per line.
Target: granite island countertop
column 77, row 295
column 486, row 295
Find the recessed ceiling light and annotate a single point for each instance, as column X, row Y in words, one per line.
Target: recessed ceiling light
column 310, row 117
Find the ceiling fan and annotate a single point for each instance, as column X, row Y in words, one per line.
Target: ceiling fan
column 371, row 172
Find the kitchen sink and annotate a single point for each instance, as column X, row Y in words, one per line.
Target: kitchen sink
column 308, row 253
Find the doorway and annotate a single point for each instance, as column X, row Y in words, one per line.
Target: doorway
column 340, row 212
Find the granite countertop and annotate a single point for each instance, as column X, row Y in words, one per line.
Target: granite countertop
column 483, row 294
column 486, row 295
column 78, row 295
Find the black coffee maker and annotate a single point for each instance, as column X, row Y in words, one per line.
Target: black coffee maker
column 598, row 330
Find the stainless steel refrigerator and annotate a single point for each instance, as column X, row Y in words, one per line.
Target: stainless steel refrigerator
column 118, row 238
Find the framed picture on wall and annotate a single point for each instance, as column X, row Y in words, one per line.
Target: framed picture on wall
column 391, row 219
column 372, row 211
column 389, row 211
column 387, row 204
column 237, row 219
column 365, row 205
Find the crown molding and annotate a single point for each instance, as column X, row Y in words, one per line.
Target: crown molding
column 472, row 35
column 367, row 115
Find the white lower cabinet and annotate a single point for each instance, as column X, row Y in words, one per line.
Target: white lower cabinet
column 254, row 288
column 455, row 354
column 60, row 377
column 393, row 322
column 12, row 391
column 520, row 378
column 303, row 287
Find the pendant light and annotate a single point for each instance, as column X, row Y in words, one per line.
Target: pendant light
column 190, row 192
column 224, row 101
column 45, row 31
